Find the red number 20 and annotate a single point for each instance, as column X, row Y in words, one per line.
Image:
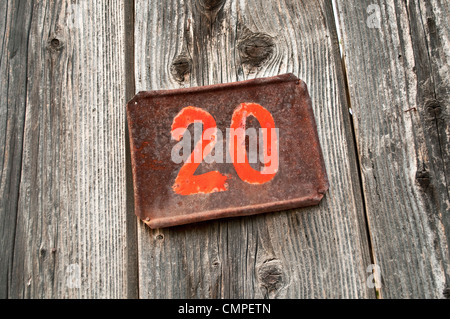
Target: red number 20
column 187, row 183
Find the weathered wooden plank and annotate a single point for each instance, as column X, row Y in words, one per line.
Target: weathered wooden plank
column 314, row 252
column 72, row 208
column 14, row 35
column 398, row 59
column 130, row 88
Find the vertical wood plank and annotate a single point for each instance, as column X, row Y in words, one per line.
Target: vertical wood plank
column 397, row 55
column 314, row 252
column 130, row 88
column 70, row 240
column 14, row 37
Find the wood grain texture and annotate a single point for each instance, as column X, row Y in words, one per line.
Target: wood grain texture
column 399, row 87
column 315, row 252
column 14, row 36
column 71, row 202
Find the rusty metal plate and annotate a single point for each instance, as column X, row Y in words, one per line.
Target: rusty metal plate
column 222, row 174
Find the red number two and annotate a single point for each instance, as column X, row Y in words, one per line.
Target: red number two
column 187, row 183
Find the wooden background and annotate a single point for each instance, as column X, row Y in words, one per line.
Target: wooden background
column 67, row 69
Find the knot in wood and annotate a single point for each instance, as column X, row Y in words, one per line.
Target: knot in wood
column 423, row 178
column 54, row 44
column 446, row 293
column 271, row 277
column 431, row 23
column 180, row 68
column 216, row 263
column 256, row 49
column 433, row 107
column 211, row 5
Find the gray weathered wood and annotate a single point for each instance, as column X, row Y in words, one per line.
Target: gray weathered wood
column 399, row 77
column 315, row 252
column 14, row 35
column 66, row 70
column 66, row 75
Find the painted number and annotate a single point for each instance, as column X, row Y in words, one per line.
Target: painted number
column 186, row 183
column 237, row 146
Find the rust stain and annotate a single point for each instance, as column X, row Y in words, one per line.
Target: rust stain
column 169, row 193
